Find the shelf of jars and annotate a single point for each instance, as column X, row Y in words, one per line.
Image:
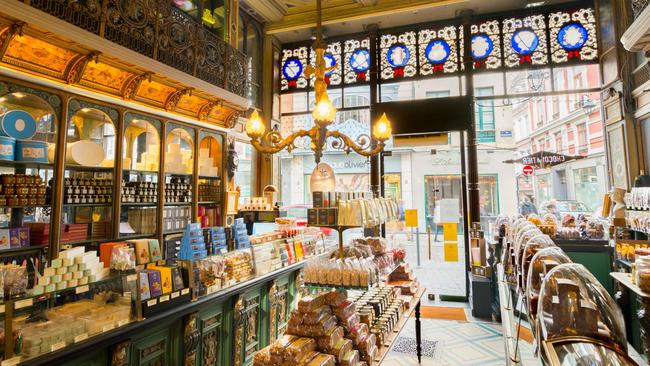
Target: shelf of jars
column 210, row 185
column 28, row 127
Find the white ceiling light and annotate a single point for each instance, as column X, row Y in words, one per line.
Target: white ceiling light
column 535, row 4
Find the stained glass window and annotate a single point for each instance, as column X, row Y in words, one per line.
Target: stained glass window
column 573, row 36
column 398, row 55
column 356, row 60
column 438, row 50
column 525, row 41
column 292, row 69
column 486, row 45
column 332, row 59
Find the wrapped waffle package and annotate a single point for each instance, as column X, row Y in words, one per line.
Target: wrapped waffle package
column 322, row 360
column 340, row 349
column 358, row 332
column 298, row 350
column 345, row 309
column 330, row 339
column 350, row 359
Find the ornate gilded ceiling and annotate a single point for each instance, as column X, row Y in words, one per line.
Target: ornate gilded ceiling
column 38, row 53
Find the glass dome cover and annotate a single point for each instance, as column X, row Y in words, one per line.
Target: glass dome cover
column 588, row 354
column 524, row 257
column 541, row 263
column 573, row 304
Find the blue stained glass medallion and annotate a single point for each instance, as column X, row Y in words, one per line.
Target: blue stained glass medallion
column 482, row 46
column 360, row 60
column 572, row 36
column 398, row 55
column 292, row 68
column 437, row 51
column 525, row 42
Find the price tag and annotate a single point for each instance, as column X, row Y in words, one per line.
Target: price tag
column 57, row 346
column 175, row 294
column 108, row 327
column 152, row 302
column 81, row 337
column 185, row 291
column 164, row 298
column 122, row 322
column 82, row 289
column 132, row 277
column 23, row 303
column 12, row 361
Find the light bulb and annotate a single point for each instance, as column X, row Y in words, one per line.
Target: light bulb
column 382, row 129
column 255, row 127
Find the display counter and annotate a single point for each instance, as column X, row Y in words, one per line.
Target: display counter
column 596, row 255
column 204, row 327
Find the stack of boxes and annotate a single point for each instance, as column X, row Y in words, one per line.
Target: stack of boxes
column 142, row 219
column 178, row 161
column 206, row 164
column 325, row 210
column 240, row 234
column 148, row 160
column 176, row 218
column 193, row 243
column 210, row 190
column 215, row 239
column 73, row 267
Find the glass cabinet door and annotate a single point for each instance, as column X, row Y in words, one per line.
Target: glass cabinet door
column 140, row 164
column 89, row 174
column 210, row 183
column 179, row 172
column 214, row 16
column 28, row 125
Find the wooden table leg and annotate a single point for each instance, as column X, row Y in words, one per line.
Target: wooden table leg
column 418, row 332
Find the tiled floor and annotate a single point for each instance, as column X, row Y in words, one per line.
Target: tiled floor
column 460, row 344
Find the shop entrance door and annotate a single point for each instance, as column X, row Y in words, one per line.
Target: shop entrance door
column 433, row 185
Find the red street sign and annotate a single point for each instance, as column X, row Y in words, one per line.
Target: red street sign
column 528, row 170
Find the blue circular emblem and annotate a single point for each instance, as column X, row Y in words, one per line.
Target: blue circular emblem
column 398, row 55
column 572, row 36
column 329, row 62
column 525, row 41
column 292, row 68
column 481, row 46
column 360, row 60
column 437, row 51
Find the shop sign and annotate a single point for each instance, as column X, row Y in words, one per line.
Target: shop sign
column 506, row 133
column 528, row 170
column 543, row 159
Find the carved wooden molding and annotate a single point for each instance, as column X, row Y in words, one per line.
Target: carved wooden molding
column 206, row 109
column 174, row 98
column 120, row 354
column 239, row 329
column 231, row 119
column 75, row 69
column 190, row 339
column 273, row 311
column 131, row 86
column 8, row 34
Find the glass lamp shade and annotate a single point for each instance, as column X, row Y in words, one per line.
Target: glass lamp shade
column 382, row 129
column 322, row 179
column 255, row 126
column 324, row 113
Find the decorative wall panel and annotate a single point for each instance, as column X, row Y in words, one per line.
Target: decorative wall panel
column 525, row 41
column 33, row 54
column 486, row 45
column 573, row 36
column 292, row 68
column 101, row 76
column 398, row 55
column 332, row 57
column 357, row 60
column 438, row 50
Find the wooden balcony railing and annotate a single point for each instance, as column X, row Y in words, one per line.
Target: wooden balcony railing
column 157, row 29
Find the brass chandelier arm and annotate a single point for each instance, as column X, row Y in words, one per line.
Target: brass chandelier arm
column 273, row 142
column 346, row 144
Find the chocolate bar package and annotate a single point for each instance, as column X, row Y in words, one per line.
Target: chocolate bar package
column 155, row 283
column 145, row 294
column 178, row 279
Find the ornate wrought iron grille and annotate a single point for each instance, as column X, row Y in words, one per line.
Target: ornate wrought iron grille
column 161, row 31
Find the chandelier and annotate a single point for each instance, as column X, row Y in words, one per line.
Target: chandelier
column 324, row 114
